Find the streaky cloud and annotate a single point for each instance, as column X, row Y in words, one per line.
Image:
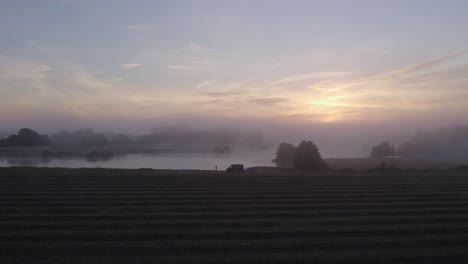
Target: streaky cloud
column 130, row 65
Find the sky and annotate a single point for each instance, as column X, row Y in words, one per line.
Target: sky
column 299, row 66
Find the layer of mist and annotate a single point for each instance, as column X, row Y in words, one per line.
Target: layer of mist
column 440, row 144
column 170, row 139
column 334, row 141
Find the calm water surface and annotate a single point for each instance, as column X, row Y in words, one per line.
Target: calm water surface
column 136, row 161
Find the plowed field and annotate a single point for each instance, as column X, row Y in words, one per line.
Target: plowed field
column 136, row 216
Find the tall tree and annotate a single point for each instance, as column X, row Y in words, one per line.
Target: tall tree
column 285, row 155
column 307, row 157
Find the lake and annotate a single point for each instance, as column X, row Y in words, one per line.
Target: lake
column 136, row 161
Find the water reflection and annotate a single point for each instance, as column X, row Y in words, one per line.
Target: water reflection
column 24, row 161
column 136, row 161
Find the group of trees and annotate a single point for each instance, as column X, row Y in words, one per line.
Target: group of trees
column 442, row 144
column 26, row 137
column 306, row 156
column 382, row 150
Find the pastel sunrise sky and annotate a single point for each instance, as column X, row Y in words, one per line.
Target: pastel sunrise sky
column 116, row 64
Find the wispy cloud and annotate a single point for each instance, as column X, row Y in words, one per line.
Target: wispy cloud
column 204, row 84
column 270, row 101
column 137, row 27
column 220, row 94
column 190, row 58
column 305, row 79
column 346, row 95
column 188, row 67
column 17, row 68
column 222, row 19
column 130, row 65
column 61, row 87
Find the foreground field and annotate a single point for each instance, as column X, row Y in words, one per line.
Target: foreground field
column 145, row 216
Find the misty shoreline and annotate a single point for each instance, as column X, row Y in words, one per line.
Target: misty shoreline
column 123, row 157
column 155, row 158
column 437, row 149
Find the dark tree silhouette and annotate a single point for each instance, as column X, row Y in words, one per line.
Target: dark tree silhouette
column 383, row 150
column 285, row 155
column 26, row 137
column 307, row 157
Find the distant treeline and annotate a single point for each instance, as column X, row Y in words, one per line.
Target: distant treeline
column 221, row 140
column 25, row 138
column 443, row 144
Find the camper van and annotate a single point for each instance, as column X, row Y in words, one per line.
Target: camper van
column 235, row 168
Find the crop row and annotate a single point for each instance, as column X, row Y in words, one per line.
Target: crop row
column 231, row 223
column 142, row 233
column 194, row 247
column 104, row 216
column 381, row 256
column 129, row 214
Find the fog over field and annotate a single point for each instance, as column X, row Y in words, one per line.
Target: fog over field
column 334, row 140
column 346, row 75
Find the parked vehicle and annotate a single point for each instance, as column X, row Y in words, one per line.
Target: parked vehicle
column 235, row 168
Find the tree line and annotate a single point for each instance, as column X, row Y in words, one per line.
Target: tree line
column 218, row 140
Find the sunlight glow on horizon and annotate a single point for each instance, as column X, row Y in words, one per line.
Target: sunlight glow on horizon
column 309, row 61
